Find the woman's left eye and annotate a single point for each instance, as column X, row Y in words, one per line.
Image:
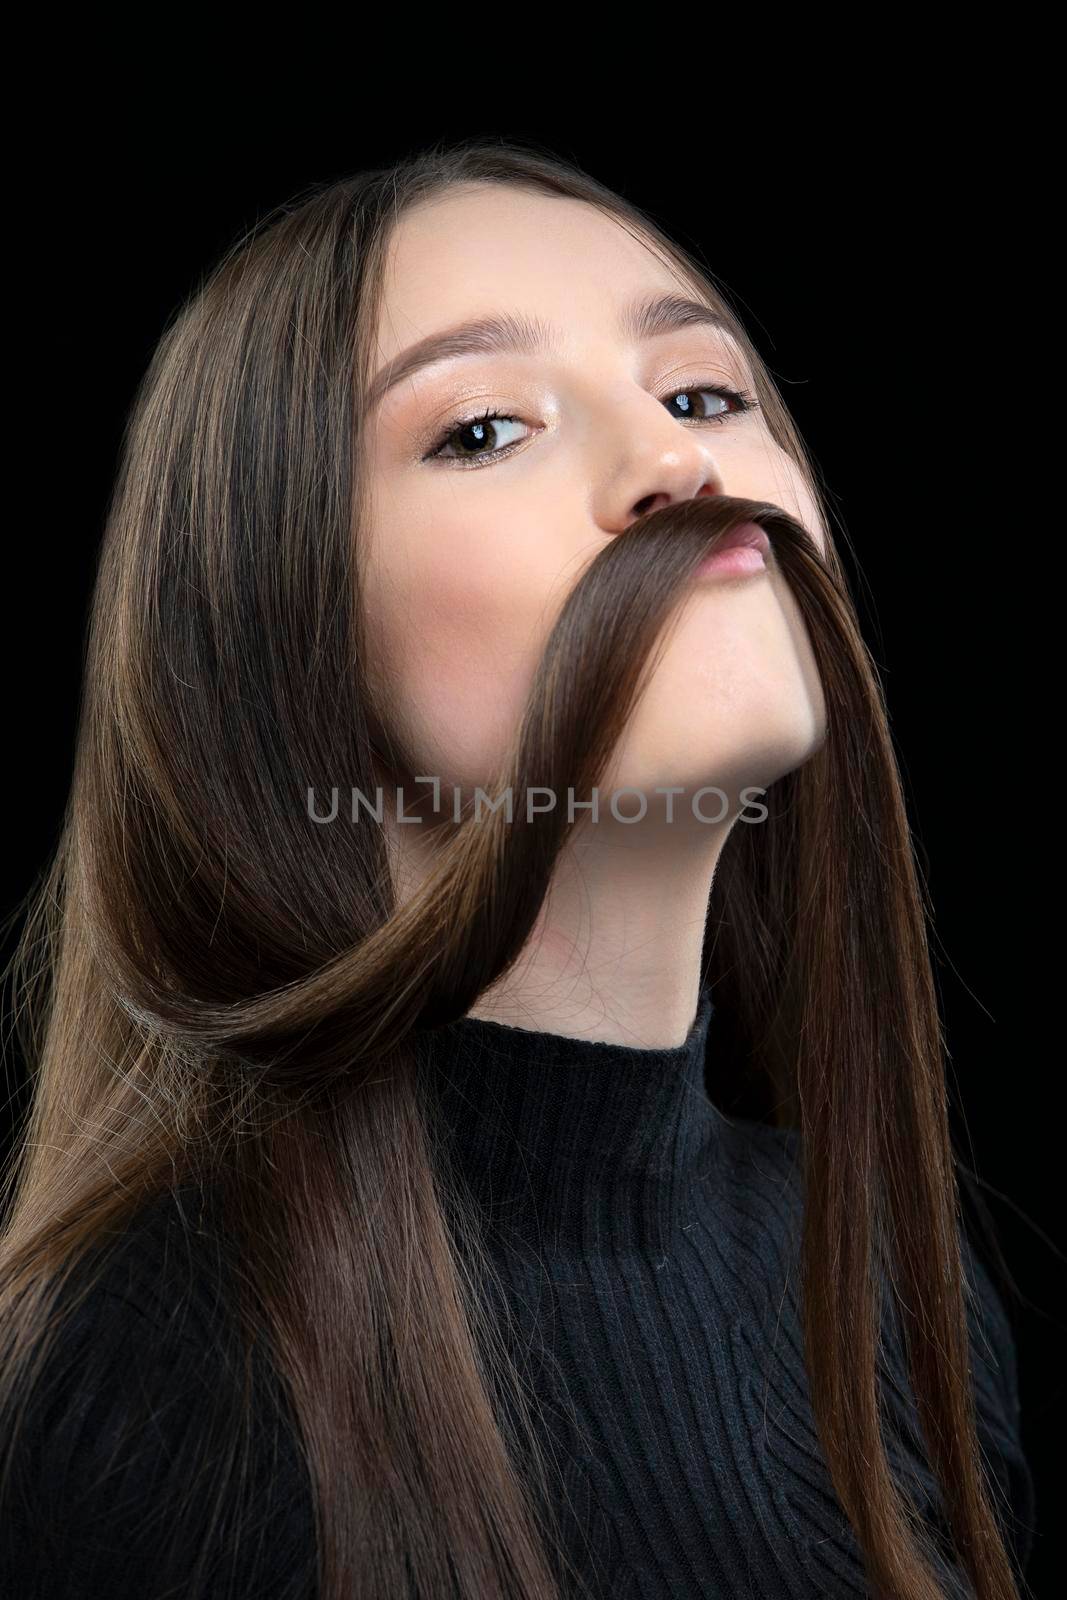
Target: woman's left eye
column 480, row 426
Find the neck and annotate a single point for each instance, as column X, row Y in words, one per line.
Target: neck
column 616, row 954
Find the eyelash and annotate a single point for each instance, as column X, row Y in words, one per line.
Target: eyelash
column 744, row 401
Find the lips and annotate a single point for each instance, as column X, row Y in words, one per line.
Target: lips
column 748, row 535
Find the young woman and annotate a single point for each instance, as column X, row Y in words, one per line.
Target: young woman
column 489, row 1123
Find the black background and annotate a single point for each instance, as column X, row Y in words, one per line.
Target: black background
column 883, row 250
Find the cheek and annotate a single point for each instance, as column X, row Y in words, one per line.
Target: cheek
column 791, row 492
column 458, row 617
column 763, row 471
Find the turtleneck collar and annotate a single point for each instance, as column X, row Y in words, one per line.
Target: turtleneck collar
column 572, row 1143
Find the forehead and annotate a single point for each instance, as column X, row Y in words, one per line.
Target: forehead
column 486, row 247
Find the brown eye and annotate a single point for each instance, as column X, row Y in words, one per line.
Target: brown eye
column 472, row 431
column 733, row 397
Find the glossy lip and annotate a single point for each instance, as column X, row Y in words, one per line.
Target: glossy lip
column 739, row 552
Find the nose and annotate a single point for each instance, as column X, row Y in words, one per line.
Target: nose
column 659, row 462
column 653, row 502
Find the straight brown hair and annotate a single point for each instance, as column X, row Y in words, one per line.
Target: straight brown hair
column 214, row 989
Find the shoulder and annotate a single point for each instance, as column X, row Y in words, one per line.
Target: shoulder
column 767, row 1180
column 992, row 1332
column 760, row 1149
column 126, row 1473
column 762, row 1166
column 997, row 1397
column 994, row 1385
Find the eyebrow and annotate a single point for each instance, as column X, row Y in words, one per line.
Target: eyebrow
column 644, row 318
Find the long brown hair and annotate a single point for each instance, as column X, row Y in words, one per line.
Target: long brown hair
column 212, row 988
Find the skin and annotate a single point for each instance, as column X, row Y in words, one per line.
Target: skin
column 465, row 568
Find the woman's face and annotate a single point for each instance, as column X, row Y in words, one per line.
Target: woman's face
column 468, row 556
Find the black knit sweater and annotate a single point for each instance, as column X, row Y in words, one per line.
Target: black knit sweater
column 646, row 1246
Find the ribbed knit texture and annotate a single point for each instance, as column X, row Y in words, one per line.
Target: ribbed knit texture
column 646, row 1251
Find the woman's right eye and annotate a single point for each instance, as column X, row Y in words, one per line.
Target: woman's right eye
column 479, row 428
